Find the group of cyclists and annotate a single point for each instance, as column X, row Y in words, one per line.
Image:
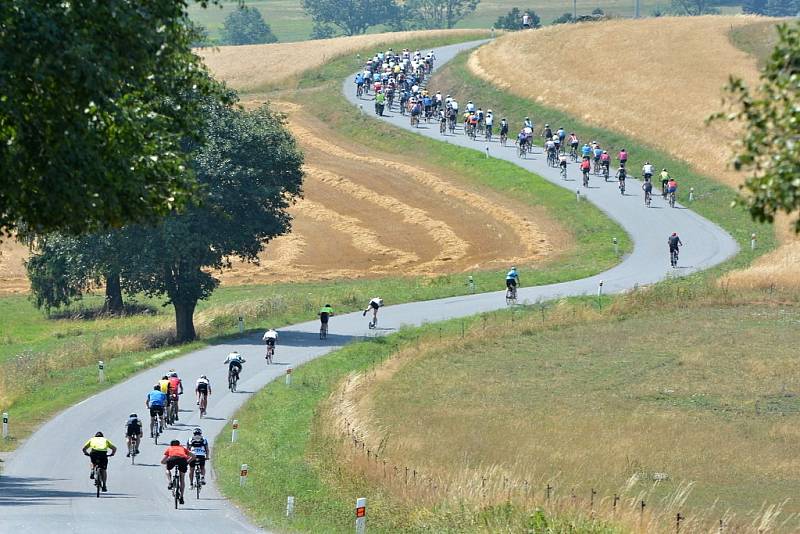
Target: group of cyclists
column 397, row 76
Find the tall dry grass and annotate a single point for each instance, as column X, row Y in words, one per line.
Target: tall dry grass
column 653, row 79
column 253, row 67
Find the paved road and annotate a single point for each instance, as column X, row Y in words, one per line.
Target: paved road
column 45, row 485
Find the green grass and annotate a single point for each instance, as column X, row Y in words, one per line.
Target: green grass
column 712, row 199
column 757, row 39
column 289, row 21
column 288, row 453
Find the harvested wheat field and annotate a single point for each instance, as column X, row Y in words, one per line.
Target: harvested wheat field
column 367, row 213
column 254, row 67
column 674, row 73
column 12, row 269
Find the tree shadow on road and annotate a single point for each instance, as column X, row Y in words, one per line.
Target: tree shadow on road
column 27, row 491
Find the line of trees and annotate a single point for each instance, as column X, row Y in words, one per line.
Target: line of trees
column 354, row 17
column 772, row 8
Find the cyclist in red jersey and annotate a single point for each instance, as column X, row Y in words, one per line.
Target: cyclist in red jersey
column 177, row 455
column 175, row 389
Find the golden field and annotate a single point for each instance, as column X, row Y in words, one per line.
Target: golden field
column 254, row 67
column 657, row 80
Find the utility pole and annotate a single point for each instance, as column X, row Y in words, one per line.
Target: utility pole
column 636, row 12
column 575, row 9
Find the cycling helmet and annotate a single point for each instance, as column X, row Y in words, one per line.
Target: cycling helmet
column 173, row 374
column 674, row 234
column 527, row 118
column 664, row 169
column 488, row 111
column 157, row 388
column 165, row 377
column 98, row 435
column 197, row 431
column 327, row 305
column 647, row 163
column 605, row 151
column 470, row 102
column 204, row 376
column 513, row 268
column 133, row 416
column 546, row 125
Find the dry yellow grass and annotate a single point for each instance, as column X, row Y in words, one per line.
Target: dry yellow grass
column 655, row 80
column 252, row 67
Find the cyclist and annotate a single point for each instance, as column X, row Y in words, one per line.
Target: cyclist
column 359, row 82
column 175, row 389
column 574, row 142
column 198, row 445
column 528, row 131
column 202, row 388
column 562, row 164
column 96, row 449
column 647, row 187
column 586, row 167
column 270, row 338
column 528, row 123
column 605, row 161
column 623, row 157
column 325, row 313
column 672, row 187
column 547, row 133
column 562, row 134
column 674, row 242
column 470, row 107
column 163, row 384
column 503, row 128
column 176, row 455
column 512, row 280
column 374, row 304
column 234, row 361
column 489, row 121
column 156, row 401
column 550, row 149
column 647, row 171
column 133, row 434
column 597, row 152
column 665, row 178
column 586, row 150
column 621, row 176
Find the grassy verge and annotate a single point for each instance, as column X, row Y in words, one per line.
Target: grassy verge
column 757, row 39
column 289, row 453
column 712, row 199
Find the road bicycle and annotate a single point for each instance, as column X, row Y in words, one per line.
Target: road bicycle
column 488, row 134
column 451, row 125
column 673, row 257
column 563, row 172
column 622, row 187
column 573, row 154
column 359, row 90
column 648, row 197
column 551, row 158
column 511, row 296
column 97, row 474
column 503, row 139
column 197, row 481
column 172, row 410
column 605, row 172
column 522, row 151
column 203, row 404
column 233, row 378
column 133, row 448
column 672, row 199
column 270, row 354
column 177, row 494
column 442, row 127
column 323, row 331
column 586, row 178
column 156, row 427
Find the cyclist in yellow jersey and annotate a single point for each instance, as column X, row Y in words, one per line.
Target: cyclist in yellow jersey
column 96, row 449
column 163, row 384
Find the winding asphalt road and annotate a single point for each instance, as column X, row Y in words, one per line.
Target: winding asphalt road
column 45, row 485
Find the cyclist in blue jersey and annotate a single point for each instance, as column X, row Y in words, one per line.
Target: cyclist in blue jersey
column 156, row 400
column 512, row 278
column 586, row 150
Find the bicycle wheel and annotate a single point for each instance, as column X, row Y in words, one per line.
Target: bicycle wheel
column 176, row 489
column 97, row 482
column 197, row 480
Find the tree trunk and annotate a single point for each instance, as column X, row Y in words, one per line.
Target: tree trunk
column 114, row 303
column 184, row 321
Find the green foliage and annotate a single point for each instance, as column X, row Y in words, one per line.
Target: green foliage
column 566, row 18
column 598, row 11
column 513, row 20
column 431, row 14
column 782, row 8
column 95, row 101
column 770, row 150
column 244, row 26
column 322, row 31
column 755, row 7
column 694, row 7
column 250, row 169
column 353, row 17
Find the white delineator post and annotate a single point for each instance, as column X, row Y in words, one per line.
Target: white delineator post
column 235, row 430
column 600, row 289
column 691, row 194
column 243, row 475
column 578, row 195
column 752, row 241
column 616, row 246
column 361, row 515
column 5, row 425
column 289, row 376
column 241, row 324
column 471, row 284
column 101, row 372
column 289, row 507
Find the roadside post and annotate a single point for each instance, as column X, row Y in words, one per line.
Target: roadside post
column 752, row 241
column 241, row 324
column 600, row 294
column 235, row 430
column 691, row 194
column 289, row 376
column 361, row 515
column 471, row 284
column 101, row 372
column 487, row 151
column 5, row 425
column 243, row 475
column 289, row 507
column 616, row 247
column 578, row 195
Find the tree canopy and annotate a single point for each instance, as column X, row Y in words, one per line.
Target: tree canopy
column 772, row 8
column 352, row 17
column 244, row 26
column 431, row 14
column 95, row 100
column 770, row 149
column 513, row 20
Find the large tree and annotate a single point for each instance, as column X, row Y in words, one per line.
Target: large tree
column 440, row 13
column 694, row 7
column 512, row 20
column 770, row 115
column 95, row 99
column 245, row 25
column 250, row 168
column 352, row 17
